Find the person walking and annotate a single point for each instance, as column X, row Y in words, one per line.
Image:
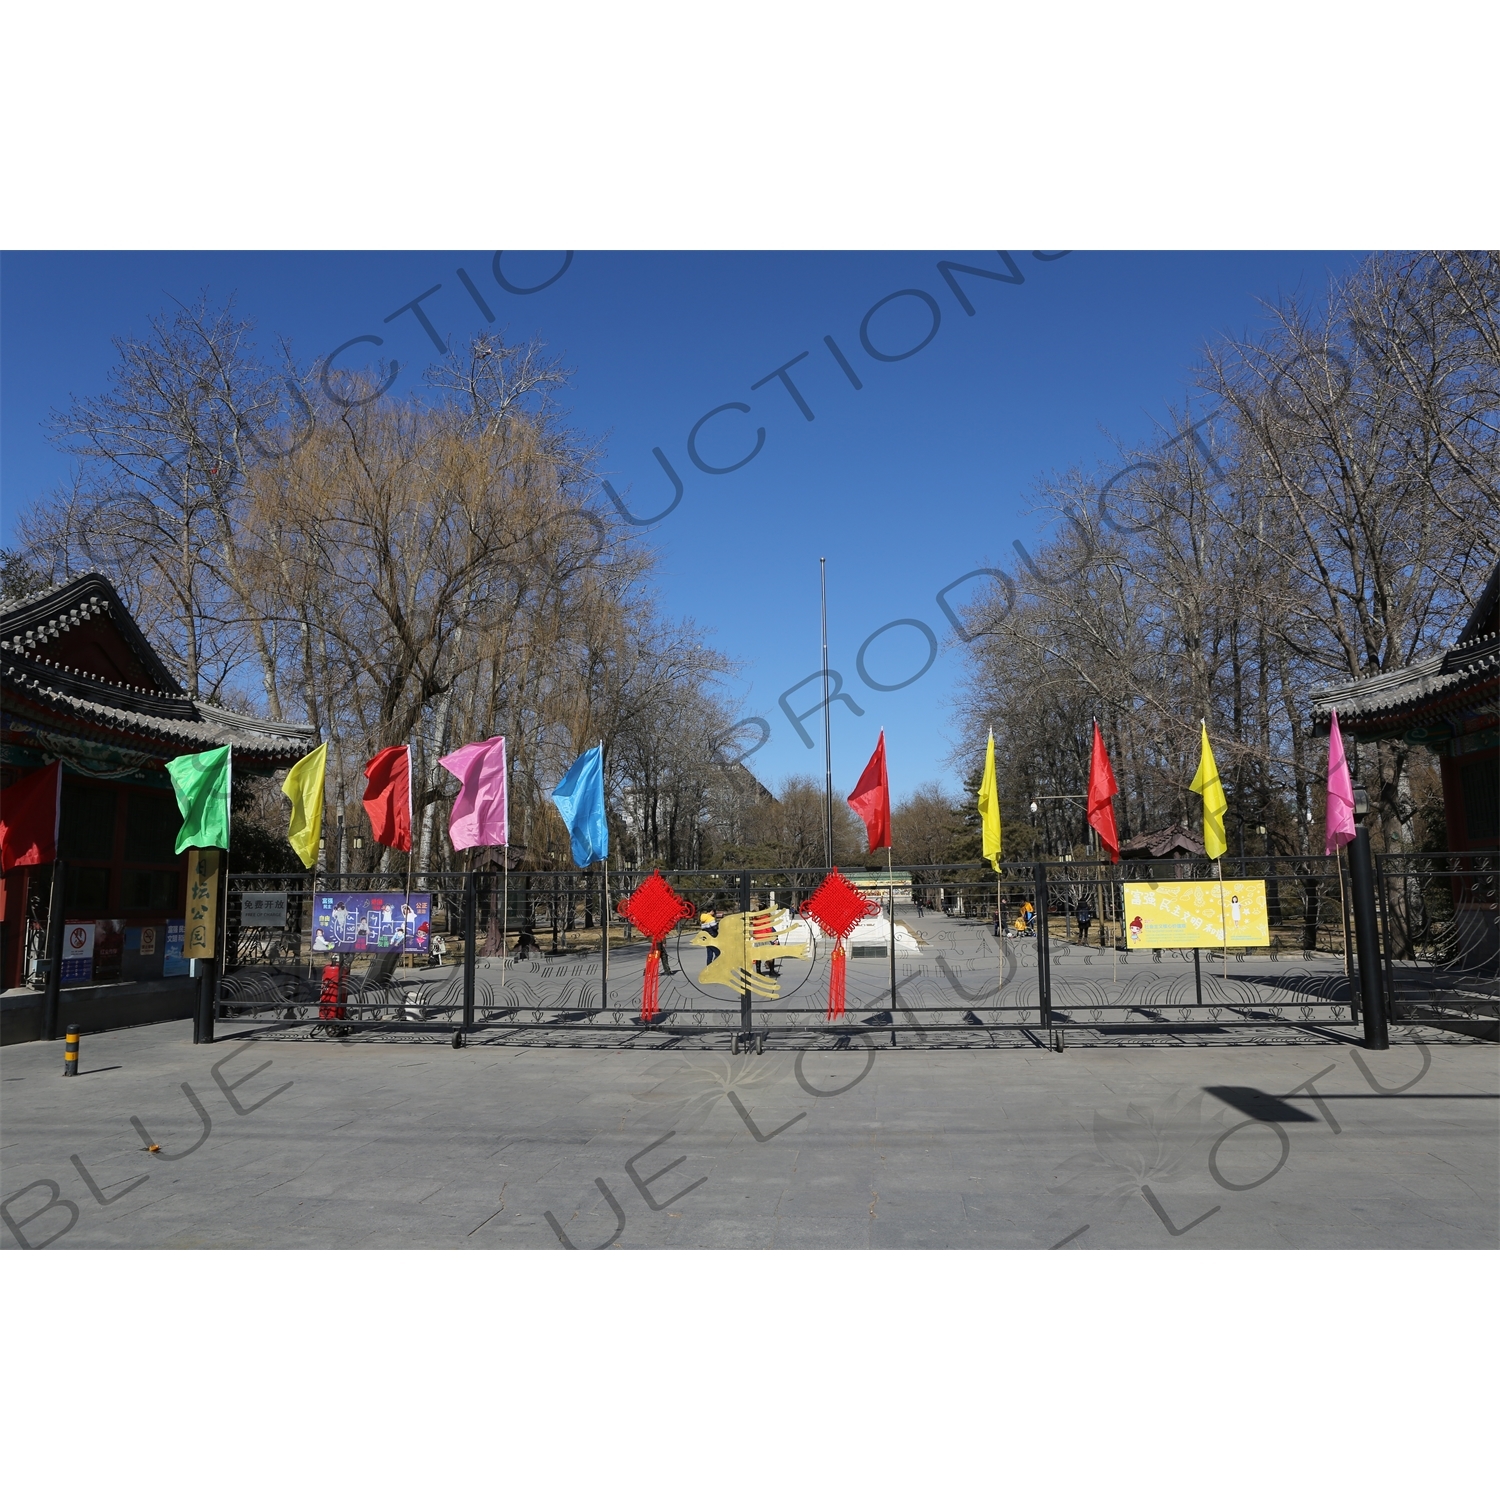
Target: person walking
column 1084, row 914
column 709, row 922
column 661, row 950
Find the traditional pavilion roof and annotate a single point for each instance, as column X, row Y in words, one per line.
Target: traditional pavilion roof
column 75, row 665
column 1450, row 692
column 1166, row 843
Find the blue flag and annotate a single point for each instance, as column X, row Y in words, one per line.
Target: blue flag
column 580, row 800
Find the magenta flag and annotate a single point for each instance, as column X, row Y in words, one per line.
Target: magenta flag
column 479, row 812
column 1340, row 814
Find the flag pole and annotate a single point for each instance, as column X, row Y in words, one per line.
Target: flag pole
column 604, row 888
column 890, row 890
column 411, row 828
column 999, row 947
column 411, row 813
column 827, row 727
column 505, row 880
column 1338, row 864
column 999, row 931
column 1223, row 915
column 411, row 844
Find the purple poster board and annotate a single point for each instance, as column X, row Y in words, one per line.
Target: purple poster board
column 371, row 921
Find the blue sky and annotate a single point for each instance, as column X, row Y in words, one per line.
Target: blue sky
column 918, row 477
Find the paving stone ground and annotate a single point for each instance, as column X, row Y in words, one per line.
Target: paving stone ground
column 1305, row 1142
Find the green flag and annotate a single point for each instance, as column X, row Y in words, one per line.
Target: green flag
column 202, row 786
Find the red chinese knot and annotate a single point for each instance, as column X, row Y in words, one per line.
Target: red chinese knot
column 837, row 907
column 655, row 907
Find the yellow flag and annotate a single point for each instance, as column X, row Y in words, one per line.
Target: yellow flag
column 1208, row 786
column 989, row 806
column 303, row 788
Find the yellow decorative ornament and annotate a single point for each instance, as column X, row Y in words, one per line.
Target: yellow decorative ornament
column 744, row 939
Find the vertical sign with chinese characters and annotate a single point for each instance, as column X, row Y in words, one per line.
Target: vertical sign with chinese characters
column 202, row 902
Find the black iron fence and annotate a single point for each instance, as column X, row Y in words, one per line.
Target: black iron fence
column 958, row 954
column 1440, row 926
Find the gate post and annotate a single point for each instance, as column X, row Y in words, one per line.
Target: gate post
column 52, row 994
column 1043, row 948
column 203, row 1017
column 209, row 969
column 471, row 926
column 1367, row 940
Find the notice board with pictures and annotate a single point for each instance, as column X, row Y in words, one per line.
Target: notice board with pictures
column 371, row 921
column 1196, row 914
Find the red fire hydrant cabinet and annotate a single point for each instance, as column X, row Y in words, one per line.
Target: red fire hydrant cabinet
column 331, row 1005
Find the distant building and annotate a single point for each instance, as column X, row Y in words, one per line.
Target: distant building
column 730, row 797
column 1172, row 842
column 80, row 684
column 1449, row 702
column 875, row 883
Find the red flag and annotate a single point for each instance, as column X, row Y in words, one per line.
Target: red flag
column 871, row 799
column 28, row 818
column 388, row 796
column 1103, row 786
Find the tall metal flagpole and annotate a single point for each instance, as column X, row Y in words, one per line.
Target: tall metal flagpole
column 827, row 729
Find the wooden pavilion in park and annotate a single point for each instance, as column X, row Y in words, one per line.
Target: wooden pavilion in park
column 1449, row 702
column 81, row 685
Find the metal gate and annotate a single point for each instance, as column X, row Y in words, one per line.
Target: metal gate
column 979, row 958
column 1440, row 925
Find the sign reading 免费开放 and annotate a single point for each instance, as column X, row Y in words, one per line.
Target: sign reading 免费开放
column 1196, row 914
column 371, row 921
column 263, row 909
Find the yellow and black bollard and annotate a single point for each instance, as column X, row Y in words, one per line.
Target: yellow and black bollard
column 70, row 1053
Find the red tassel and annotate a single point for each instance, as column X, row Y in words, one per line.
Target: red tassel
column 650, row 987
column 836, row 975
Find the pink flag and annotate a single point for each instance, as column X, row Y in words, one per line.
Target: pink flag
column 479, row 812
column 1340, row 813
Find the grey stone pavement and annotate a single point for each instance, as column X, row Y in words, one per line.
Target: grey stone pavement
column 1304, row 1143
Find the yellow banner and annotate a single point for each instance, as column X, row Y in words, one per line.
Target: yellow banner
column 1196, row 914
column 202, row 903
